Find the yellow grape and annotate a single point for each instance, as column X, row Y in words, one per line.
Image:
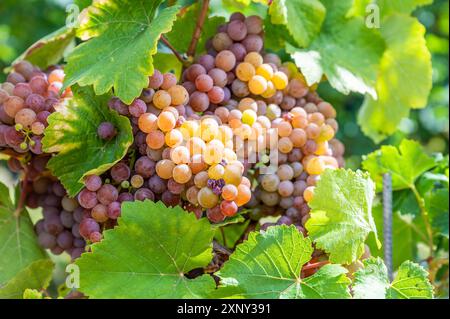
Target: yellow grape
column 270, row 91
column 225, row 133
column 229, row 155
column 213, row 152
column 315, row 166
column 164, row 168
column 308, row 194
column 155, row 140
column 245, row 71
column 162, row 99
column 244, row 195
column 216, row 171
column 206, row 198
column 180, row 155
column 254, row 58
column 196, row 145
column 257, row 85
column 322, row 148
column 265, row 70
column 247, row 103
column 173, row 138
column 284, row 129
column 280, row 80
column 249, row 117
column 166, row 121
column 285, row 145
column 201, row 179
column 191, row 128
column 232, row 174
column 179, row 95
column 326, row 133
column 229, row 192
column 209, row 129
column 181, row 173
column 147, row 122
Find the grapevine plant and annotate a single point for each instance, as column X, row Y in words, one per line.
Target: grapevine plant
column 179, row 149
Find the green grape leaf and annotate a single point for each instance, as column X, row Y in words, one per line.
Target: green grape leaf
column 411, row 282
column 329, row 55
column 405, row 164
column 276, row 36
column 341, row 214
column 23, row 264
column 386, row 7
column 37, row 275
column 72, row 133
column 82, row 3
column 404, row 79
column 407, row 232
column 229, row 235
column 50, row 49
column 122, row 38
column 303, row 18
column 268, row 265
column 148, row 255
column 167, row 62
column 404, row 6
column 183, row 28
column 437, row 204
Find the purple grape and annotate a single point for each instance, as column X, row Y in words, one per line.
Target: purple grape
column 137, row 108
column 46, row 240
column 106, row 131
column 65, row 239
column 107, row 194
column 35, row 102
column 145, row 167
column 66, row 219
column 125, row 197
column 87, row 199
column 52, row 225
column 157, row 184
column 114, row 210
column 144, row 193
column 120, row 172
column 88, row 226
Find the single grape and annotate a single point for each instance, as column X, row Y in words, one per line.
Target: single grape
column 157, row 184
column 87, row 199
column 169, row 80
column 46, row 240
column 106, row 131
column 137, row 108
column 225, row 60
column 155, row 80
column 114, row 209
column 65, row 239
column 107, row 194
column 214, row 214
column 237, row 30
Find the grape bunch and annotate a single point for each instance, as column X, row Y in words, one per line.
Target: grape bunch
column 59, row 229
column 243, row 132
column 27, row 98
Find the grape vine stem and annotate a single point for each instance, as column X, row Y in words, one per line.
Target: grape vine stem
column 171, row 47
column 316, row 265
column 23, row 194
column 198, row 28
column 425, row 216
